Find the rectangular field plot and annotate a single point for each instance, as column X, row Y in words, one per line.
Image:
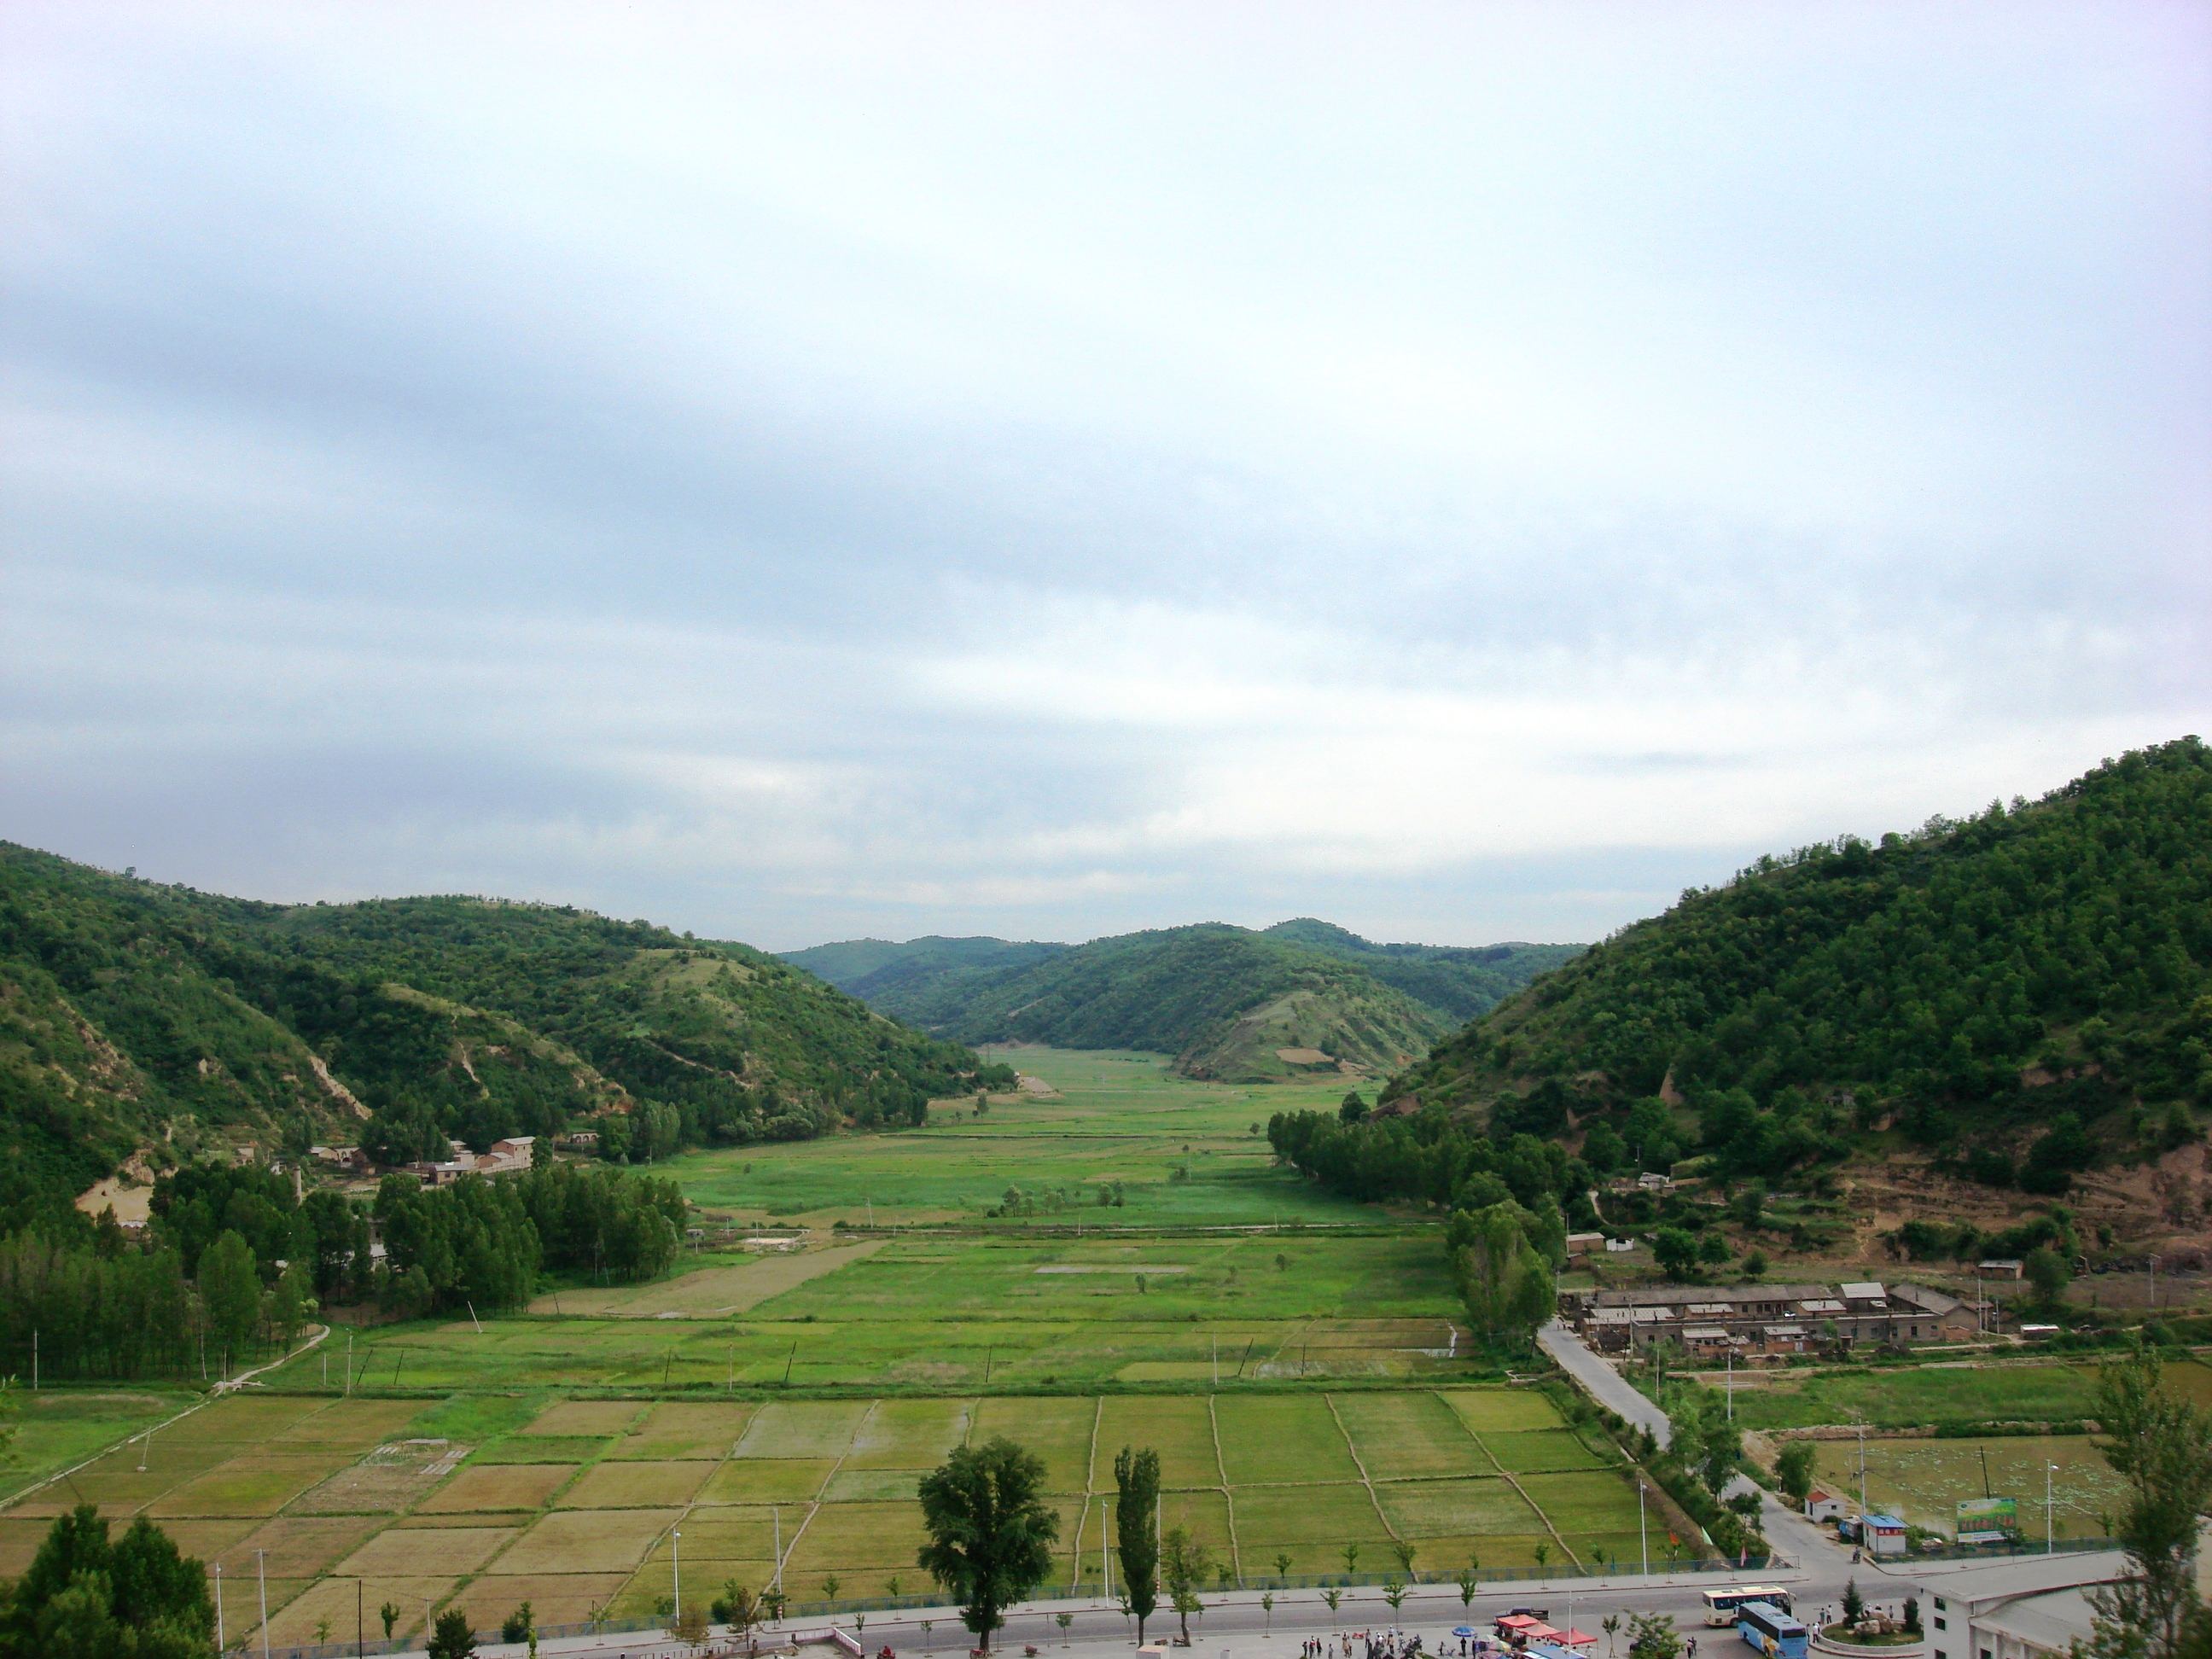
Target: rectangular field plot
column 1178, row 1427
column 909, row 1434
column 1205, row 1513
column 851, row 1486
column 1505, row 1411
column 1058, row 1431
column 388, row 1479
column 586, row 1417
column 1541, row 1451
column 1580, row 1505
column 843, row 1538
column 560, row 1598
column 248, row 1420
column 347, row 1425
column 678, row 1429
column 613, row 1486
column 256, row 1483
column 1280, row 1438
column 588, row 1541
column 294, row 1625
column 297, row 1546
column 767, row 1480
column 803, row 1428
column 1311, row 1525
column 113, row 1481
column 497, row 1486
column 543, row 1449
column 423, row 1552
column 1402, row 1437
column 1457, row 1508
column 734, row 1534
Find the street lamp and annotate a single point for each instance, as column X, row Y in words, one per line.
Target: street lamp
column 676, row 1563
column 1643, row 1538
column 261, row 1564
column 2049, row 1469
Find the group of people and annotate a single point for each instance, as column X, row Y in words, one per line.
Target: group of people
column 1368, row 1644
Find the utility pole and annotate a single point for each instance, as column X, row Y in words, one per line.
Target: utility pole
column 777, row 1515
column 1862, row 1502
column 261, row 1564
column 1106, row 1544
column 1731, row 1385
column 219, row 1642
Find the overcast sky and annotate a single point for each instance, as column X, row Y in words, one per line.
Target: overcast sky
column 794, row 473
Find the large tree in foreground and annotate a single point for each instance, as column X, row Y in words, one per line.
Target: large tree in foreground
column 990, row 1531
column 1136, row 1527
column 2161, row 1446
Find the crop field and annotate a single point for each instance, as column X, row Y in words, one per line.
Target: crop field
column 1935, row 1396
column 1923, row 1480
column 572, row 1504
column 779, row 1410
column 1117, row 1117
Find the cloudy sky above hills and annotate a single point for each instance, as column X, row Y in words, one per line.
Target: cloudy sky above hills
column 794, row 473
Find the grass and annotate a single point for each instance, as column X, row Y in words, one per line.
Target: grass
column 1932, row 1394
column 58, row 1427
column 1280, row 1438
column 1403, row 1437
column 1923, row 1480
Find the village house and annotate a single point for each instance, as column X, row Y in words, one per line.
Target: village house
column 1821, row 1504
column 1767, row 1319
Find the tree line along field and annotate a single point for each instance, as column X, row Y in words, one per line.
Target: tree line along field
column 484, row 1502
column 1113, row 1118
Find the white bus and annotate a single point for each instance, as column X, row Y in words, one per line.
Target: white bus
column 1721, row 1604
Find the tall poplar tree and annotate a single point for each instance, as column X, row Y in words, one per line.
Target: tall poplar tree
column 1137, row 1486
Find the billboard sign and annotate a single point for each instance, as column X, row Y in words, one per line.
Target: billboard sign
column 1988, row 1520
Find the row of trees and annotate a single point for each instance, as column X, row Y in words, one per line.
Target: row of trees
column 232, row 1262
column 1508, row 1194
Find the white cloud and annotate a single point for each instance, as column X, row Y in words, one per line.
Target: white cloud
column 853, row 469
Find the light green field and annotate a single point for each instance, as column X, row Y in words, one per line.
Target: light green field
column 1934, row 1395
column 1117, row 1117
column 1923, row 1480
column 58, row 1427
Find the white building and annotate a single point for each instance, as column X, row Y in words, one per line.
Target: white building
column 2032, row 1608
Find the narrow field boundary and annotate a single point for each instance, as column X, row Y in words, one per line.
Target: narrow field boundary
column 1365, row 1485
column 814, row 1506
column 1228, row 1492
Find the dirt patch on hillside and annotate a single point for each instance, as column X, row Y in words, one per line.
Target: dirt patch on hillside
column 2161, row 1205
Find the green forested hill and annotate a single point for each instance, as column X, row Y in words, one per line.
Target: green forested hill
column 2025, row 990
column 879, row 970
column 133, row 1014
column 1227, row 1002
column 1458, row 981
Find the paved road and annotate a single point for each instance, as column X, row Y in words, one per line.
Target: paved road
column 1601, row 1382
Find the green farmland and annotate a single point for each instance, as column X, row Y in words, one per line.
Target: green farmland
column 1298, row 1361
column 1185, row 1153
column 484, row 1502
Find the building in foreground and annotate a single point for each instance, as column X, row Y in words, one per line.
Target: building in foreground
column 2033, row 1608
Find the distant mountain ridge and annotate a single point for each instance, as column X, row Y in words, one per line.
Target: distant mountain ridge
column 1230, row 1003
column 138, row 1016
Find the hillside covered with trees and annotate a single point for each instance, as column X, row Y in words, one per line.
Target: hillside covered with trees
column 134, row 1016
column 1228, row 1003
column 2024, row 992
